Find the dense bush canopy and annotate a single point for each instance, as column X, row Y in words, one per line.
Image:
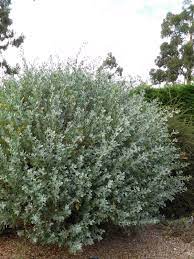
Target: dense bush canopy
column 77, row 152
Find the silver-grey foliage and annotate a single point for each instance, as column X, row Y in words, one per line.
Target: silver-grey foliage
column 77, row 152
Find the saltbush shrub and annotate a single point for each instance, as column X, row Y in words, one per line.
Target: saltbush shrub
column 76, row 153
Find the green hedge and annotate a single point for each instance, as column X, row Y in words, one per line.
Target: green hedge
column 180, row 97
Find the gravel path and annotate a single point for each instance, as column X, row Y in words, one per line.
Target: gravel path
column 152, row 243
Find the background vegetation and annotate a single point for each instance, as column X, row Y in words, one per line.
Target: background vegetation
column 178, row 97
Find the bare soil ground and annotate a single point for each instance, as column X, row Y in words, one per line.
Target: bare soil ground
column 150, row 243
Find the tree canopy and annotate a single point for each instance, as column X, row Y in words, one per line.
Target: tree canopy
column 111, row 66
column 176, row 53
column 7, row 36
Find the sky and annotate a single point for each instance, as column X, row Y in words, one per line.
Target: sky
column 130, row 29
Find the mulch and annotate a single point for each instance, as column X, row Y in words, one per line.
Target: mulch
column 151, row 243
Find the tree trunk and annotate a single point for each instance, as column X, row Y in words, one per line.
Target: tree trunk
column 188, row 76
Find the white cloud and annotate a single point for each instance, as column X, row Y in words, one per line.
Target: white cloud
column 130, row 29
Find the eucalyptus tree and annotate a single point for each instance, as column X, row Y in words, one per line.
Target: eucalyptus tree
column 111, row 66
column 176, row 56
